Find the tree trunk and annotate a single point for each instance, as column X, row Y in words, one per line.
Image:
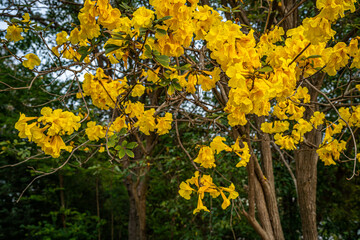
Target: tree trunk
column 306, row 172
column 137, row 190
column 306, row 160
column 262, row 190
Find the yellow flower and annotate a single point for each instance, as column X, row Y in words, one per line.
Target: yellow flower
column 164, row 124
column 217, row 145
column 118, row 124
column 200, row 206
column 94, row 132
column 101, row 149
column 142, row 18
column 138, row 90
column 14, row 33
column 146, row 122
column 206, row 157
column 226, row 201
column 286, row 142
column 53, row 146
column 32, row 61
column 61, row 38
column 317, row 119
column 75, row 36
column 185, row 190
column 26, row 18
column 22, row 126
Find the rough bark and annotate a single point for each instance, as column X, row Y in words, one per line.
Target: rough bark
column 137, row 190
column 263, row 213
column 262, row 194
column 306, row 160
column 306, row 171
column 268, row 182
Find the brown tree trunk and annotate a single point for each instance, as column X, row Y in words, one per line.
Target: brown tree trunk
column 137, row 216
column 262, row 190
column 306, row 160
column 137, row 190
column 306, row 172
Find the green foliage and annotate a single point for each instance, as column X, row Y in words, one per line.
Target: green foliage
column 78, row 226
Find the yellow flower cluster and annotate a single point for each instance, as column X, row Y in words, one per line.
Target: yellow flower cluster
column 46, row 132
column 96, row 132
column 102, row 89
column 145, row 120
column 206, row 156
column 331, row 148
column 204, row 184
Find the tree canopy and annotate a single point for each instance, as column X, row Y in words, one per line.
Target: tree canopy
column 220, row 102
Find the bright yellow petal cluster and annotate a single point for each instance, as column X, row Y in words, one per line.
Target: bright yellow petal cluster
column 331, row 151
column 102, row 89
column 55, row 123
column 285, row 142
column 333, row 9
column 275, row 127
column 318, row 29
column 146, row 122
column 204, row 185
column 218, row 146
column 164, row 123
column 142, row 17
column 243, row 153
column 95, row 132
column 61, row 122
column 13, row 33
column 206, row 157
column 31, row 61
column 317, row 119
column 61, row 38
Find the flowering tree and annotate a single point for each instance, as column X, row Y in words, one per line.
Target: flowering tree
column 264, row 89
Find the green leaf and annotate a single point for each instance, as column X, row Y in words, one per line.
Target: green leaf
column 47, row 27
column 147, row 47
column 123, row 131
column 112, row 141
column 163, row 60
column 161, row 32
column 177, row 86
column 163, row 19
column 125, row 6
column 265, row 69
column 118, row 36
column 111, row 47
column 83, row 50
column 131, row 145
column 185, row 67
column 171, row 90
column 121, row 153
column 37, row 28
column 142, row 31
column 124, row 143
column 129, row 153
column 314, row 56
column 15, row 20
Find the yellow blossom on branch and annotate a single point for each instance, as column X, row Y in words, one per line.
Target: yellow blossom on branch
column 32, row 61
